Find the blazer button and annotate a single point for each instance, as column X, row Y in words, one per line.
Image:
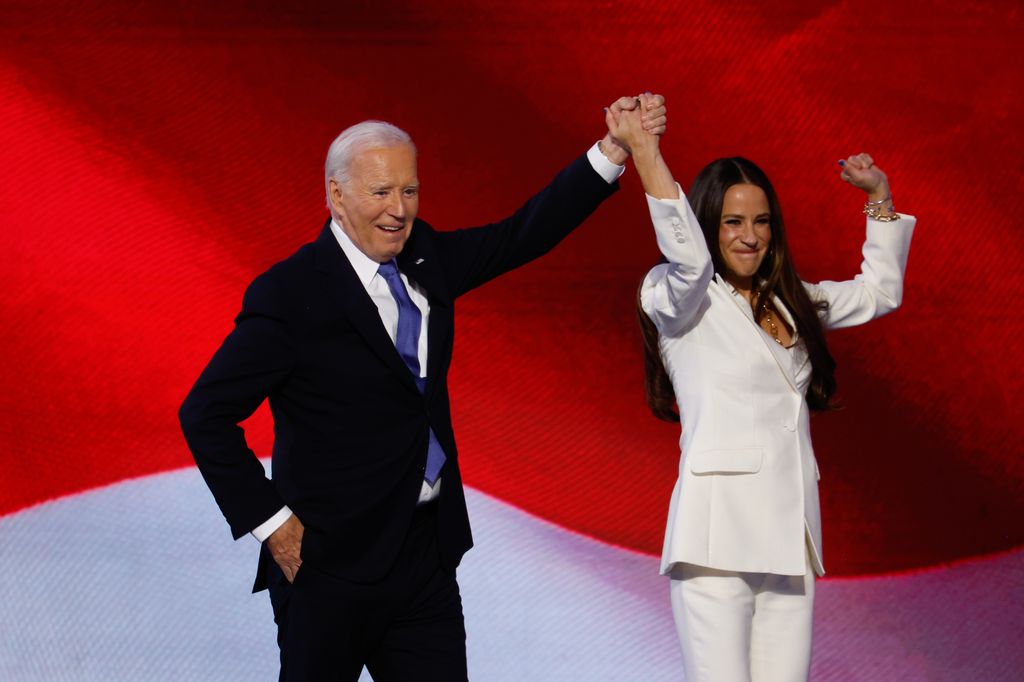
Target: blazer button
column 789, row 426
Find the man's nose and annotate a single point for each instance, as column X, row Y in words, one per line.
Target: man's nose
column 396, row 207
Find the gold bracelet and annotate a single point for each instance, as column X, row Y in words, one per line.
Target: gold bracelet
column 874, row 213
column 891, row 218
column 873, row 210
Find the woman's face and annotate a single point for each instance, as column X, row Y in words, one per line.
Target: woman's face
column 744, row 233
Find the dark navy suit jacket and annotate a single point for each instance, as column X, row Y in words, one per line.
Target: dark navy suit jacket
column 350, row 425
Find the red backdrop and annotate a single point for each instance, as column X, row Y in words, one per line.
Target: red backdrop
column 156, row 158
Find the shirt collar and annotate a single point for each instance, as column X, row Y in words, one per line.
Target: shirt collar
column 364, row 266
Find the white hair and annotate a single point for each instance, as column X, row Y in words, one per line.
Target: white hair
column 351, row 141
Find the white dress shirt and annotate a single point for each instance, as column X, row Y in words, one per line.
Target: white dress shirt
column 380, row 294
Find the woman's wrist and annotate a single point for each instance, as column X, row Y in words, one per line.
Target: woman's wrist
column 879, row 194
column 655, row 175
column 646, row 154
column 879, row 205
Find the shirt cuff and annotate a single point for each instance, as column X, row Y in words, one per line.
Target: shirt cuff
column 267, row 528
column 605, row 168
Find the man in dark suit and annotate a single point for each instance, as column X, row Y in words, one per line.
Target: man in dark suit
column 350, row 339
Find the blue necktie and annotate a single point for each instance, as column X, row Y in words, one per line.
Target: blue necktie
column 407, row 343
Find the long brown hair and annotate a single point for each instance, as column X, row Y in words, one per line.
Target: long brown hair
column 777, row 276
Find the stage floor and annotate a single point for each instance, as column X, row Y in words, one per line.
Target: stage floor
column 141, row 581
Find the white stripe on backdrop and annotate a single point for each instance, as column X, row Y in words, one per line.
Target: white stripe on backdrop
column 141, row 581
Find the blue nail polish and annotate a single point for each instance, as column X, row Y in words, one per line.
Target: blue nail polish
column 605, row 110
column 841, row 162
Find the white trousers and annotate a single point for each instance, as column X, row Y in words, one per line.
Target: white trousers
column 743, row 627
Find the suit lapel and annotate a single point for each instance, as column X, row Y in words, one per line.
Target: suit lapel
column 779, row 354
column 344, row 287
column 420, row 263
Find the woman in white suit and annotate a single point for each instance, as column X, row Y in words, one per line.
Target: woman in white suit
column 736, row 341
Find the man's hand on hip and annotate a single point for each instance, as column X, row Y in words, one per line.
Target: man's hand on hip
column 285, row 543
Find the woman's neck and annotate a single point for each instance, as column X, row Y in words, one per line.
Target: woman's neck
column 744, row 285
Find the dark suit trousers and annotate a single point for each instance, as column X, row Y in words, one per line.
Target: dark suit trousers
column 407, row 626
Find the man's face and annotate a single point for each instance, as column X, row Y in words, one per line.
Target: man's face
column 377, row 205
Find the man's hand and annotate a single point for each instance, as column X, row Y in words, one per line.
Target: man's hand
column 285, row 543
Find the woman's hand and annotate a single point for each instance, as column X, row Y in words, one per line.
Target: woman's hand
column 861, row 172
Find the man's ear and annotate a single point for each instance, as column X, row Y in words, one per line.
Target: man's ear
column 337, row 198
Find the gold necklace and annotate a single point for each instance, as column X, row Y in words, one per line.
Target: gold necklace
column 771, row 323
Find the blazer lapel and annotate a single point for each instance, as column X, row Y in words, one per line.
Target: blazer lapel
column 778, row 353
column 420, row 263
column 344, row 287
column 783, row 358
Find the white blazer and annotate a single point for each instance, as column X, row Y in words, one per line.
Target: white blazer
column 747, row 495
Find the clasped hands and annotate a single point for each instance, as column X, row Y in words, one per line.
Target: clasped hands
column 634, row 125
